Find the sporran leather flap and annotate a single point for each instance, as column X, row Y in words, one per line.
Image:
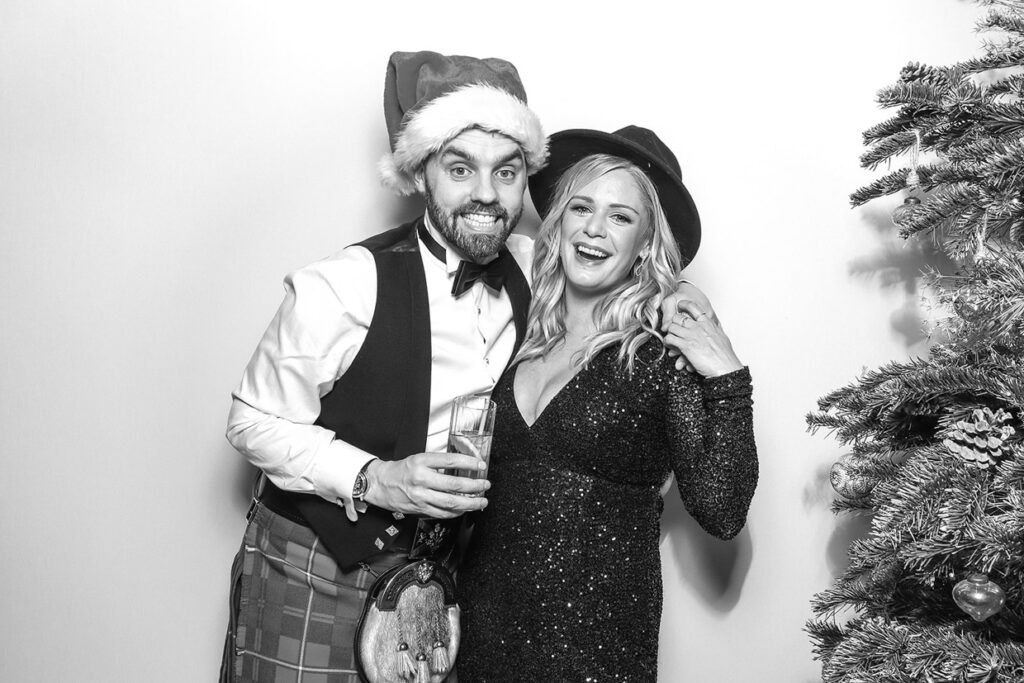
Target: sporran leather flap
column 409, row 629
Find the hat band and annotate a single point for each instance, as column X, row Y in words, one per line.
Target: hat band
column 442, row 119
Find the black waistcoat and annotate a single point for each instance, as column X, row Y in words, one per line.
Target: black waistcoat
column 382, row 402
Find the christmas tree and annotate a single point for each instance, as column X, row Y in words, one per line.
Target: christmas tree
column 935, row 590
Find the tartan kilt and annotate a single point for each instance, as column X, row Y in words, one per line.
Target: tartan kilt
column 293, row 610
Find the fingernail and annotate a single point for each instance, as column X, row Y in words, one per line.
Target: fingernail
column 481, row 465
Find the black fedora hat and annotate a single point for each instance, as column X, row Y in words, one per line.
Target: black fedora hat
column 643, row 148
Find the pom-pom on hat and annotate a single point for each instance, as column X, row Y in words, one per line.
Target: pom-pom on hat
column 640, row 146
column 430, row 98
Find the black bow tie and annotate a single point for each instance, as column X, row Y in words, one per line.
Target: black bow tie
column 491, row 274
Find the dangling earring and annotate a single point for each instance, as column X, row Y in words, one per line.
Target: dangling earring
column 641, row 264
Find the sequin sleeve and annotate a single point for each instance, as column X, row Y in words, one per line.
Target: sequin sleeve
column 713, row 454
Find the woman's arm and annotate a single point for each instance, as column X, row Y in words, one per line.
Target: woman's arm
column 714, row 457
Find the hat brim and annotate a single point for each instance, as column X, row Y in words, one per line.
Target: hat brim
column 569, row 146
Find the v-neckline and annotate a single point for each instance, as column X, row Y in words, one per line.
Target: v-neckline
column 554, row 396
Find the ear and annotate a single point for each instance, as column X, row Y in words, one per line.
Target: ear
column 419, row 181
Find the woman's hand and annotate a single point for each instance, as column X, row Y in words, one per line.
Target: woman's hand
column 686, row 291
column 670, row 307
column 696, row 333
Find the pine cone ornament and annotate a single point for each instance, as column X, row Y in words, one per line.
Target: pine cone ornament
column 930, row 75
column 914, row 71
column 982, row 439
column 885, row 574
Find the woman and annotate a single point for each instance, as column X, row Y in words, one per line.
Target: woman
column 563, row 579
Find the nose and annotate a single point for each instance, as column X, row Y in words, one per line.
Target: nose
column 483, row 190
column 595, row 226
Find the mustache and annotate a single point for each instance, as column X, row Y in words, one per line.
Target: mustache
column 496, row 210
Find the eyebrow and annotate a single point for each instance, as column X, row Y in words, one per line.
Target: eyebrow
column 517, row 155
column 612, row 206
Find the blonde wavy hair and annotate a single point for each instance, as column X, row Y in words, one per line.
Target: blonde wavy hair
column 628, row 315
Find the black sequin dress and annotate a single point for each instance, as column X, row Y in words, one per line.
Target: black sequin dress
column 562, row 581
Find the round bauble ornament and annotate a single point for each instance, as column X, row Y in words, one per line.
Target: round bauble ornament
column 905, row 211
column 848, row 482
column 979, row 596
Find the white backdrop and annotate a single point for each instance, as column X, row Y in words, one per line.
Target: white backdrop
column 164, row 164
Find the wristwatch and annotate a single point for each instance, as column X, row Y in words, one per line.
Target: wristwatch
column 362, row 484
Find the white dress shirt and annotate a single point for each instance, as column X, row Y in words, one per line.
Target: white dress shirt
column 317, row 333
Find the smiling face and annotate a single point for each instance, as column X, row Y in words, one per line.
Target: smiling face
column 474, row 189
column 603, row 231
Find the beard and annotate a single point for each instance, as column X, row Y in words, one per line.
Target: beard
column 479, row 247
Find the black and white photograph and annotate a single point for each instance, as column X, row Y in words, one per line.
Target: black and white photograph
column 468, row 343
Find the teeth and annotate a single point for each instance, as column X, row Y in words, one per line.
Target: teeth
column 480, row 219
column 590, row 252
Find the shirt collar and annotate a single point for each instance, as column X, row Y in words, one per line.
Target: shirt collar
column 451, row 257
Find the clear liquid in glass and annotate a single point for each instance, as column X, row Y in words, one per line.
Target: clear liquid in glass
column 477, row 445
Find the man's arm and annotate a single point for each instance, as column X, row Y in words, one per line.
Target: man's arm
column 312, row 340
column 314, row 337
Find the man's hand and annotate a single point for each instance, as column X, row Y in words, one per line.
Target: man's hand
column 417, row 485
column 681, row 300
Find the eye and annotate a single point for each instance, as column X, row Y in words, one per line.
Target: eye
column 507, row 174
column 580, row 209
column 622, row 219
column 458, row 171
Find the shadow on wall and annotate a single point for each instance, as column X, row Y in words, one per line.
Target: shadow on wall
column 715, row 569
column 848, row 528
column 397, row 211
column 895, row 264
column 899, row 263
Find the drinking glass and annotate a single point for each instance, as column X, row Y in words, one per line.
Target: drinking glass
column 471, row 431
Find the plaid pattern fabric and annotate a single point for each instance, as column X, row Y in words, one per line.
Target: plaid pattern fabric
column 293, row 610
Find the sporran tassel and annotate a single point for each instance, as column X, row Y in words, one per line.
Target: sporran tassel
column 406, row 666
column 441, row 665
column 422, row 669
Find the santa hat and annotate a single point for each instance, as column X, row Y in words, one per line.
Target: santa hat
column 430, row 98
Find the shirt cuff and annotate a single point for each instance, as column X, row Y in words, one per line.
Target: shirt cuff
column 335, row 476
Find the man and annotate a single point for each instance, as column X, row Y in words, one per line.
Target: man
column 344, row 406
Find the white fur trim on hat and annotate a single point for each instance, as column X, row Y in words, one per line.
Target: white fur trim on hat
column 440, row 120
